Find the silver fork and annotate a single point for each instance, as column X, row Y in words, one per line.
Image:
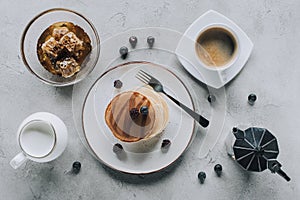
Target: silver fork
column 158, row 87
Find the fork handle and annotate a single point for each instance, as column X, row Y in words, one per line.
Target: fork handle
column 200, row 119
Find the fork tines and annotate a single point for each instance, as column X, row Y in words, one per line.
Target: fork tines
column 143, row 76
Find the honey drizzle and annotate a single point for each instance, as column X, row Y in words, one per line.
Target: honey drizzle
column 128, row 123
column 114, row 124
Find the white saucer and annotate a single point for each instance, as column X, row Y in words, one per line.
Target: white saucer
column 179, row 130
column 187, row 55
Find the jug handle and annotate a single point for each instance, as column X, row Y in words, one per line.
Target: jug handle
column 18, row 160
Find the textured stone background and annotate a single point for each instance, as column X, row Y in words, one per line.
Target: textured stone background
column 272, row 72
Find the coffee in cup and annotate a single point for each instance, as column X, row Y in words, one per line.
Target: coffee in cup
column 216, row 46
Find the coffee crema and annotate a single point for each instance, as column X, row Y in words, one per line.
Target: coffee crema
column 216, row 46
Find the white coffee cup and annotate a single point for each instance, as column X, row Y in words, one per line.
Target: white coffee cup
column 42, row 137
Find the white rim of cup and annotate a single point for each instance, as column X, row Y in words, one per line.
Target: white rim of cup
column 54, row 143
column 237, row 51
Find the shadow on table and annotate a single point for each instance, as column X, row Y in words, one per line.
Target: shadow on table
column 65, row 91
column 143, row 178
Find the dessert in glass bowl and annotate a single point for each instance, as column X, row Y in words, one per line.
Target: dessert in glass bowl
column 62, row 48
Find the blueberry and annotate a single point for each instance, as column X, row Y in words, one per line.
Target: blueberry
column 251, row 99
column 211, row 98
column 76, row 167
column 144, row 110
column 133, row 41
column 134, row 113
column 234, row 130
column 118, row 84
column 201, row 177
column 165, row 144
column 218, row 169
column 124, row 52
column 117, row 148
column 150, row 41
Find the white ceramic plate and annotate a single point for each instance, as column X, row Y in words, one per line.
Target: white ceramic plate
column 187, row 55
column 100, row 139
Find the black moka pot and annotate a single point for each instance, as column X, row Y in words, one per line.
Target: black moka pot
column 256, row 149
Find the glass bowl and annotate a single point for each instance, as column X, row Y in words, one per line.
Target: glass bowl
column 34, row 30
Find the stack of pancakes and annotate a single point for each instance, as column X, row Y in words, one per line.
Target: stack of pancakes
column 132, row 129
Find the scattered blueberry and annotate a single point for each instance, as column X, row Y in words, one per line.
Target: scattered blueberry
column 133, row 41
column 76, row 167
column 144, row 110
column 218, row 169
column 150, row 41
column 165, row 144
column 134, row 113
column 251, row 99
column 117, row 148
column 211, row 98
column 124, row 52
column 234, row 129
column 118, row 84
column 201, row 177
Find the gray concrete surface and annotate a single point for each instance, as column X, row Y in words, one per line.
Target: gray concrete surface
column 272, row 72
